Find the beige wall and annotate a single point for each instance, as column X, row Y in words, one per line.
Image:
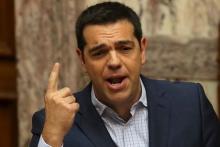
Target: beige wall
column 182, row 45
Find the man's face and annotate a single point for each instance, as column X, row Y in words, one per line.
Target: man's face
column 113, row 58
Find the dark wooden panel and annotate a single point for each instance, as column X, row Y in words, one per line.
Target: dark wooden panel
column 7, row 76
column 7, row 34
column 8, row 118
column 8, row 104
column 8, row 97
column 219, row 70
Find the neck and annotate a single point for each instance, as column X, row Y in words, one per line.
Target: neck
column 123, row 113
column 123, row 110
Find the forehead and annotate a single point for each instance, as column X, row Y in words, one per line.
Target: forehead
column 108, row 33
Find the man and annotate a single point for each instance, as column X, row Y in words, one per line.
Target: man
column 120, row 107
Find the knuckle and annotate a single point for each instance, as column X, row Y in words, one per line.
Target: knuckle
column 49, row 95
column 73, row 98
column 67, row 89
column 70, row 109
column 75, row 107
column 55, row 100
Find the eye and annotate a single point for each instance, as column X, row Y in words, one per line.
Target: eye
column 125, row 48
column 99, row 53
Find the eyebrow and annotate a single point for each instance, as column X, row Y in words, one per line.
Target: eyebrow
column 118, row 43
column 98, row 47
column 124, row 42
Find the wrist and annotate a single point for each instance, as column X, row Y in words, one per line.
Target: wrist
column 52, row 137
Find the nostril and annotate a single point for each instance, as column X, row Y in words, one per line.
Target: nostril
column 114, row 66
column 114, row 61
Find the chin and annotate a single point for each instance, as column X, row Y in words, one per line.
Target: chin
column 119, row 98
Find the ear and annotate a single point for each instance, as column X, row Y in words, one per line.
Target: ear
column 143, row 46
column 80, row 55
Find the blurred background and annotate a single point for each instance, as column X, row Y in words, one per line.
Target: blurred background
column 183, row 45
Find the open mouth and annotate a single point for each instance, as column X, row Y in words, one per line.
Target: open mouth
column 117, row 83
column 117, row 80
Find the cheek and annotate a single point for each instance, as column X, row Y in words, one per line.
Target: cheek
column 133, row 63
column 133, row 68
column 95, row 69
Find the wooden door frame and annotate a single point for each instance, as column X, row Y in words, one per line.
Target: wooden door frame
column 218, row 98
column 8, row 73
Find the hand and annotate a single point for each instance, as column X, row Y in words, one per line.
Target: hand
column 60, row 109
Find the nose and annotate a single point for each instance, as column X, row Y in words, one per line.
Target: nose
column 114, row 62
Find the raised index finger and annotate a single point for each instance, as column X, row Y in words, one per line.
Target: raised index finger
column 53, row 78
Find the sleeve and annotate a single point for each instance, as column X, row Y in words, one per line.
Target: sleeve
column 42, row 143
column 210, row 121
column 37, row 127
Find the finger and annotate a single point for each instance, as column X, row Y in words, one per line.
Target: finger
column 53, row 78
column 69, row 99
column 64, row 92
column 75, row 106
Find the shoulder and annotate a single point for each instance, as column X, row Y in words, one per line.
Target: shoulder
column 172, row 86
column 188, row 107
column 177, row 92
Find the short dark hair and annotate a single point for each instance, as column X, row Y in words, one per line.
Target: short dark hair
column 106, row 13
